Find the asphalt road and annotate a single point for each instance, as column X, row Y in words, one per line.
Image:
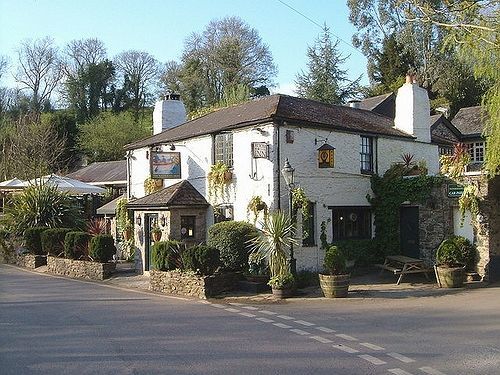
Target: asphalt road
column 51, row 325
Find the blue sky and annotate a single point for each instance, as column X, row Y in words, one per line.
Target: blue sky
column 160, row 27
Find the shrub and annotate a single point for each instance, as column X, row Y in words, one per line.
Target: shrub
column 306, row 278
column 32, row 240
column 165, row 255
column 363, row 252
column 231, row 239
column 102, row 248
column 53, row 240
column 282, row 281
column 76, row 245
column 468, row 250
column 202, row 259
column 449, row 255
column 335, row 261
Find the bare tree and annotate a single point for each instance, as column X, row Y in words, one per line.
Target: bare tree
column 83, row 52
column 39, row 69
column 4, row 62
column 140, row 72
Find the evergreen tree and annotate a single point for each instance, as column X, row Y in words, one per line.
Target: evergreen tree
column 324, row 80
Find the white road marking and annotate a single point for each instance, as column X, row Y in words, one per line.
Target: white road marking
column 230, row 309
column 372, row 359
column 250, row 308
column 400, row 357
column 265, row 320
column 204, row 302
column 324, row 329
column 431, row 371
column 345, row 348
column 371, row 346
column 321, row 339
column 304, row 323
column 286, row 317
column 235, row 304
column 247, row 314
column 399, row 371
column 267, row 312
column 300, row 332
column 281, row 325
column 218, row 306
column 346, row 337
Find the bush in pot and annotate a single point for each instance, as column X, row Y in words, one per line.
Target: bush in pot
column 282, row 285
column 450, row 265
column 335, row 281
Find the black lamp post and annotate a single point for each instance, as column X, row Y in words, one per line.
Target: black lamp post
column 287, row 173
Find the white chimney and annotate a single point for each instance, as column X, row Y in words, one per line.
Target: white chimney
column 413, row 110
column 354, row 103
column 168, row 113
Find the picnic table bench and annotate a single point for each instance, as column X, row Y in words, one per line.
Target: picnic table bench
column 402, row 265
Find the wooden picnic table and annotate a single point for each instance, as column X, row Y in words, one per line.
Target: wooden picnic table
column 402, row 265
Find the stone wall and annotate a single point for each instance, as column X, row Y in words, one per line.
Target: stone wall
column 188, row 284
column 79, row 269
column 31, row 261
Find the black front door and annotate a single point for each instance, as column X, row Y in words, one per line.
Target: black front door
column 150, row 220
column 408, row 232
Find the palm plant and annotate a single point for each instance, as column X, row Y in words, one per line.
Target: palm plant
column 42, row 206
column 274, row 240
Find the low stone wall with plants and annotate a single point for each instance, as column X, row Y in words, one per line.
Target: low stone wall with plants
column 79, row 269
column 31, row 261
column 190, row 284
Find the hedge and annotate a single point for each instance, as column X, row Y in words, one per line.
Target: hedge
column 202, row 259
column 102, row 248
column 231, row 239
column 76, row 244
column 165, row 255
column 53, row 240
column 32, row 240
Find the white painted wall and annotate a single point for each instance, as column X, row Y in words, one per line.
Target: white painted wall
column 391, row 149
column 413, row 111
column 464, row 229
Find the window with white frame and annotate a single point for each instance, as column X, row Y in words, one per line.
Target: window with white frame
column 367, row 146
column 476, row 151
column 224, row 148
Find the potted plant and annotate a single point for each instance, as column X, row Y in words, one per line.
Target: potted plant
column 272, row 243
column 255, row 206
column 282, row 285
column 450, row 265
column 219, row 176
column 156, row 233
column 335, row 281
column 127, row 230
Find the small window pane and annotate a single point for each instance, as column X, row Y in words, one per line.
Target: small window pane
column 188, row 226
column 351, row 223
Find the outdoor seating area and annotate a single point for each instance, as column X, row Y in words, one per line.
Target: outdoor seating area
column 403, row 265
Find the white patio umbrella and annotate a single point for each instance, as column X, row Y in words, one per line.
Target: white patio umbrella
column 12, row 184
column 66, row 184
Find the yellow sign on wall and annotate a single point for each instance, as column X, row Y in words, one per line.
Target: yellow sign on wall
column 326, row 156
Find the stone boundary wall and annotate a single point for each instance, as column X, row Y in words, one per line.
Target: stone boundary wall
column 31, row 261
column 79, row 269
column 186, row 284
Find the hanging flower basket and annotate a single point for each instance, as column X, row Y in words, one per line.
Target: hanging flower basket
column 127, row 234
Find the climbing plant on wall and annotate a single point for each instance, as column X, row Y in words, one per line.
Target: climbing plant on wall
column 390, row 191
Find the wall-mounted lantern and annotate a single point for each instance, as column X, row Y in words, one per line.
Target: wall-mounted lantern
column 163, row 220
column 326, row 156
column 138, row 220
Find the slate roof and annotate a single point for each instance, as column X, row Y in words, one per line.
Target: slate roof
column 110, row 207
column 469, row 120
column 384, row 104
column 179, row 194
column 305, row 112
column 102, row 172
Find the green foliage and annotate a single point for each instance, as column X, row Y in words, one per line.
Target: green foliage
column 231, row 239
column 257, row 265
column 324, row 81
column 255, row 206
column 449, row 254
column 202, row 259
column 469, row 251
column 363, row 252
column 42, row 206
column 218, row 179
column 305, row 278
column 76, row 244
column 164, row 255
column 282, row 281
column 469, row 201
column 122, row 221
column 335, row 261
column 390, row 191
column 104, row 137
column 53, row 240
column 273, row 242
column 102, row 248
column 32, row 240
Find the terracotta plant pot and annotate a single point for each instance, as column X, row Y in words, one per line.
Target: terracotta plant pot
column 127, row 234
column 228, row 176
column 156, row 236
column 450, row 277
column 334, row 286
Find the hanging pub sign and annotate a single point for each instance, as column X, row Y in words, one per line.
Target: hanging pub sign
column 165, row 164
column 260, row 150
column 326, row 156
